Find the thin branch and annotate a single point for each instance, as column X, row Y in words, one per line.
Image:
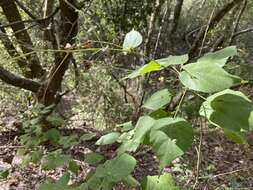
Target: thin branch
column 124, row 88
column 213, row 23
column 226, row 173
column 180, row 103
column 207, row 28
column 235, row 29
column 39, row 21
column 151, row 27
column 25, row 10
column 198, row 150
column 161, row 28
column 243, row 32
column 77, row 73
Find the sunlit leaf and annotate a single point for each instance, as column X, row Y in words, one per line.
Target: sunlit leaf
column 173, row 60
column 132, row 40
column 147, row 68
column 219, row 57
column 150, row 67
column 207, row 77
column 117, row 169
column 108, row 138
column 126, row 126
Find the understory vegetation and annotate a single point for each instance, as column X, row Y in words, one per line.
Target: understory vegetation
column 125, row 94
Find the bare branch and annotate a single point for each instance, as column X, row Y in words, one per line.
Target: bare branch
column 17, row 81
column 69, row 27
column 177, row 13
column 213, row 22
column 153, row 17
column 244, row 5
column 43, row 22
column 243, row 32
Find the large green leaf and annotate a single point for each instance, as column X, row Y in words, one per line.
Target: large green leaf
column 108, row 138
column 165, row 148
column 219, row 57
column 74, row 167
column 207, row 77
column 143, row 126
column 229, row 109
column 157, row 65
column 150, row 67
column 141, row 130
column 173, row 60
column 117, row 169
column 170, row 138
column 158, row 114
column 127, row 126
column 235, row 136
column 132, row 40
column 128, row 146
column 158, row 100
column 147, row 68
column 68, row 141
column 163, row 182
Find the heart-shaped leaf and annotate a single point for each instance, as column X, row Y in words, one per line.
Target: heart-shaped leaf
column 207, row 77
column 219, row 57
column 170, row 138
column 229, row 109
column 132, row 40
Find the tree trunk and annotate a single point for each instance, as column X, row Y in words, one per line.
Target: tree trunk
column 177, row 12
column 12, row 14
column 69, row 26
column 13, row 52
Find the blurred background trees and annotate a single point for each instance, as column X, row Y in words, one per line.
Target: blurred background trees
column 89, row 83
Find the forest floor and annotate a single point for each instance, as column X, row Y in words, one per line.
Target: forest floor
column 222, row 165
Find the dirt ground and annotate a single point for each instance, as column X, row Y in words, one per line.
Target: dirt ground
column 222, row 165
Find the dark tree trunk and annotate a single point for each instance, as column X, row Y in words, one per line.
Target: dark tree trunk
column 17, row 81
column 13, row 52
column 177, row 12
column 12, row 14
column 69, row 27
